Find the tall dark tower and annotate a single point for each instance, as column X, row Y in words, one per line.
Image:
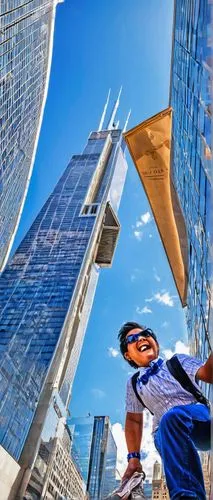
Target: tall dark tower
column 47, row 289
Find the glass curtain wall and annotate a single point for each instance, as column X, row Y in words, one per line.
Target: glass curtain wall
column 191, row 80
column 26, row 39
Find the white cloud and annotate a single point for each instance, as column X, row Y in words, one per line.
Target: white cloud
column 148, row 447
column 113, row 353
column 156, row 276
column 163, row 297
column 142, row 221
column 144, row 310
column 167, row 353
column 119, row 437
column 139, row 223
column 146, row 218
column 165, row 324
column 98, row 393
column 138, row 235
column 180, row 348
column 136, row 274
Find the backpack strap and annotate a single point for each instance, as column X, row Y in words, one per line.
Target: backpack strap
column 175, row 368
column 134, row 386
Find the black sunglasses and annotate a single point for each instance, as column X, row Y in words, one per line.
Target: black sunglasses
column 137, row 336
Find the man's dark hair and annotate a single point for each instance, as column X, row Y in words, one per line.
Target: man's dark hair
column 125, row 329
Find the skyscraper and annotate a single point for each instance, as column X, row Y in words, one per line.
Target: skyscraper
column 190, row 97
column 191, row 100
column 26, row 39
column 81, row 429
column 147, row 487
column 95, row 451
column 173, row 156
column 47, row 289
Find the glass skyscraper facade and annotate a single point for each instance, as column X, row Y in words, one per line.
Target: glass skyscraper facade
column 95, row 452
column 109, row 477
column 26, row 39
column 190, row 98
column 81, row 429
column 47, row 289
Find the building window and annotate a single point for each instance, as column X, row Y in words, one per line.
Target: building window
column 90, row 209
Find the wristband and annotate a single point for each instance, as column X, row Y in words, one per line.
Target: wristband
column 133, row 454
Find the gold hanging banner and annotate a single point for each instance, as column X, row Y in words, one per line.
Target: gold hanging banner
column 149, row 145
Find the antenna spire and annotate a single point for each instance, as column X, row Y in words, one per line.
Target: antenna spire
column 104, row 112
column 126, row 123
column 112, row 117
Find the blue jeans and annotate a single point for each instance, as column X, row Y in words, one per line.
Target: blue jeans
column 181, row 431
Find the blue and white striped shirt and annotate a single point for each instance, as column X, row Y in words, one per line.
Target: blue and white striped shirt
column 162, row 391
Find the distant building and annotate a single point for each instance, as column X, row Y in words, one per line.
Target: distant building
column 26, row 39
column 156, row 481
column 95, row 451
column 109, row 479
column 159, row 487
column 165, row 491
column 47, row 291
column 156, row 471
column 55, row 475
column 81, row 429
column 207, row 473
column 147, row 486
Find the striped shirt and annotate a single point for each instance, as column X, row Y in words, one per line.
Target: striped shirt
column 162, row 391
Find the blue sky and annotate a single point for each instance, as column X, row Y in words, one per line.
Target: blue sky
column 98, row 45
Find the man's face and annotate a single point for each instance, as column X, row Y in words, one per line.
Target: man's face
column 144, row 350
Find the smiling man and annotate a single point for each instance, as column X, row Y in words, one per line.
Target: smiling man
column 181, row 416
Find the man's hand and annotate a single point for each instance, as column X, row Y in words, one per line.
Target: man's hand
column 205, row 372
column 134, row 465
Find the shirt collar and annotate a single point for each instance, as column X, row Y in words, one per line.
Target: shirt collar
column 143, row 369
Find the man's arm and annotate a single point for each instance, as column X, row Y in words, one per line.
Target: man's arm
column 133, row 434
column 205, row 372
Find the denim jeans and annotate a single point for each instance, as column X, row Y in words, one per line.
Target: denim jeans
column 183, row 430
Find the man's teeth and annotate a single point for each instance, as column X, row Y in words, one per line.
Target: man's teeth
column 143, row 348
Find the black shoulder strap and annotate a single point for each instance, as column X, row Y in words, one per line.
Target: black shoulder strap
column 134, row 386
column 178, row 372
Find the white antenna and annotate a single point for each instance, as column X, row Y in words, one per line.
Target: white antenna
column 104, row 112
column 117, row 124
column 111, row 120
column 126, row 123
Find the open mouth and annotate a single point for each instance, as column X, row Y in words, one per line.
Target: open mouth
column 143, row 347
